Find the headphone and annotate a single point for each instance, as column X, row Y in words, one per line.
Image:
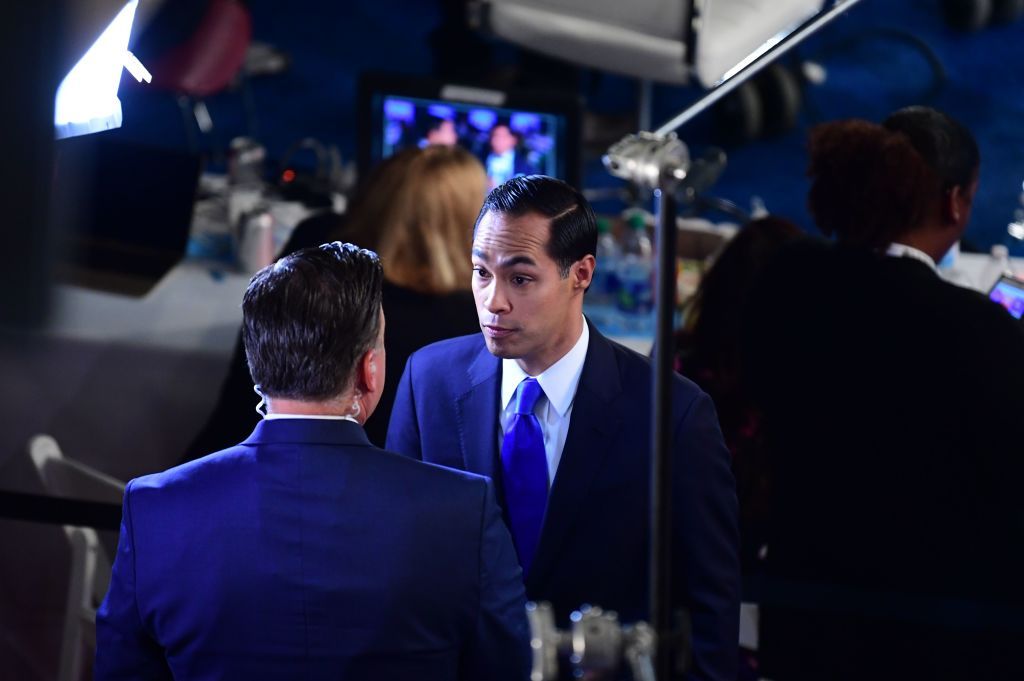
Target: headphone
column 974, row 15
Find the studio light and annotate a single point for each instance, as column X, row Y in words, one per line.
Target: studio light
column 87, row 97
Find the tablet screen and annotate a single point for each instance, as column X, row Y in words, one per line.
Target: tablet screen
column 1009, row 292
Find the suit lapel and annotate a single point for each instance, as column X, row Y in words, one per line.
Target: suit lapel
column 477, row 417
column 593, row 423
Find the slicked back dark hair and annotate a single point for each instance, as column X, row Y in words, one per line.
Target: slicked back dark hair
column 309, row 317
column 573, row 224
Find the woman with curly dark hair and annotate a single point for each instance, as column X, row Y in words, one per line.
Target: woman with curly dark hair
column 910, row 180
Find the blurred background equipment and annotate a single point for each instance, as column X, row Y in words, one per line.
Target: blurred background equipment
column 124, row 209
column 51, row 90
column 205, row 62
column 974, row 15
column 595, row 645
column 670, row 42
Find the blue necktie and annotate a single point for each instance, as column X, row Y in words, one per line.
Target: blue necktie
column 525, row 465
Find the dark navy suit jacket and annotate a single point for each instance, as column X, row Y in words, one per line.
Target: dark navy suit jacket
column 593, row 547
column 305, row 552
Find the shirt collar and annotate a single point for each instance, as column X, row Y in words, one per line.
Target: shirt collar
column 321, row 417
column 558, row 381
column 898, row 250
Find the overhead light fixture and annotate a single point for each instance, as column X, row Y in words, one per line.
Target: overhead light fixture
column 87, row 97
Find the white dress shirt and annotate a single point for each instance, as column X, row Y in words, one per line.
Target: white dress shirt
column 559, row 383
column 898, row 250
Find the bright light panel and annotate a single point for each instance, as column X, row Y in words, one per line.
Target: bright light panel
column 87, row 97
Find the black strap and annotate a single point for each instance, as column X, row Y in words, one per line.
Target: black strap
column 40, row 508
column 841, row 599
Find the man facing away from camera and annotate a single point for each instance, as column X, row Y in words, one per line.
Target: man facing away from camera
column 306, row 552
column 559, row 417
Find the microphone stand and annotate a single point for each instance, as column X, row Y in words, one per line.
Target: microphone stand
column 659, row 162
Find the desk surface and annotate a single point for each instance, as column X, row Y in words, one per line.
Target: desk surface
column 195, row 308
column 974, row 270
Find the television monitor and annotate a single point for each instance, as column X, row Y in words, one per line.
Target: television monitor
column 512, row 133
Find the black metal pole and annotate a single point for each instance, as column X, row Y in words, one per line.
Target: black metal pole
column 42, row 508
column 661, row 435
column 639, row 159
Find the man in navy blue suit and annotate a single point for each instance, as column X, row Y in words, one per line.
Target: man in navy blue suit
column 559, row 416
column 305, row 552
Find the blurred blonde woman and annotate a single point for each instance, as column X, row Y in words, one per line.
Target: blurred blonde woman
column 416, row 209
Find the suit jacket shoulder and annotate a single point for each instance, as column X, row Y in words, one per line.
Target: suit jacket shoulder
column 369, row 557
column 446, row 358
column 635, row 373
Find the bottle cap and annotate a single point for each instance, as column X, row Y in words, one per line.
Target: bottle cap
column 637, row 221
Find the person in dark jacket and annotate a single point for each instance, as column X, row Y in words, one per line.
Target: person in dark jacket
column 892, row 403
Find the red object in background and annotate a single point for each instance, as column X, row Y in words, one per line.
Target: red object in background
column 208, row 61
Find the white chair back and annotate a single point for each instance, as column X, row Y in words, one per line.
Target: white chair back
column 90, row 564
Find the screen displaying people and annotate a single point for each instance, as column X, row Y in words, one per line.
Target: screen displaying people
column 508, row 142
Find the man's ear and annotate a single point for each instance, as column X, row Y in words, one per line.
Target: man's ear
column 951, row 205
column 367, row 377
column 582, row 272
column 956, row 204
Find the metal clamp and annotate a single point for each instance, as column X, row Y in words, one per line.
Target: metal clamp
column 596, row 643
column 648, row 159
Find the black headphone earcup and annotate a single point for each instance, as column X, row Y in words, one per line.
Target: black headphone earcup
column 781, row 99
column 967, row 15
column 739, row 117
column 1006, row 11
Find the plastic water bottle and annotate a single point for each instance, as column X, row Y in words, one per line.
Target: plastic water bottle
column 635, row 301
column 605, row 285
column 599, row 303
